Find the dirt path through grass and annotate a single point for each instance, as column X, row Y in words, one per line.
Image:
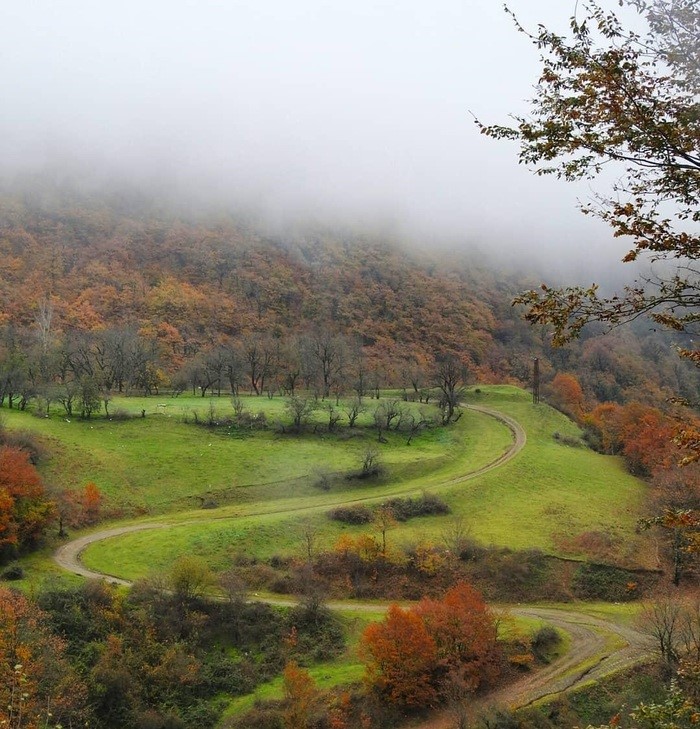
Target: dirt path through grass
column 519, row 442
column 68, row 556
column 597, row 647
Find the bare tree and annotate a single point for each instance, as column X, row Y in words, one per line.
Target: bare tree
column 291, row 368
column 370, row 462
column 384, row 519
column 416, row 424
column 325, row 354
column 309, row 539
column 300, row 410
column 238, row 408
column 456, row 536
column 44, row 317
column 233, row 369
column 233, row 587
column 333, row 417
column 449, row 378
column 663, row 621
column 389, row 411
column 353, row 410
column 260, row 357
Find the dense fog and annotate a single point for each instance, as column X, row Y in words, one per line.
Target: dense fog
column 353, row 112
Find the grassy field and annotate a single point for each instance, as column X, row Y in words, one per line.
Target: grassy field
column 264, row 483
column 344, row 670
column 548, row 492
column 160, row 464
column 551, row 490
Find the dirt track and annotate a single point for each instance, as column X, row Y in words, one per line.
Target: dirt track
column 68, row 556
column 598, row 647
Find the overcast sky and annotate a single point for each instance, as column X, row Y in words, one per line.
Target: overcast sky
column 361, row 107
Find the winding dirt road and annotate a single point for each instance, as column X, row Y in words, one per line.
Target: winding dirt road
column 597, row 647
column 68, row 556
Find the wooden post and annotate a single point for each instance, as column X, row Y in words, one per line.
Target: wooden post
column 536, row 382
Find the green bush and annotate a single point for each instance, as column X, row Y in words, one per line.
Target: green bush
column 544, row 641
column 426, row 505
column 14, row 571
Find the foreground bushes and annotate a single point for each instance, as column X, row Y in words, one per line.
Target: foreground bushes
column 438, row 649
column 161, row 659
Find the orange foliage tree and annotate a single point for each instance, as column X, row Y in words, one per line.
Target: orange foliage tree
column 91, row 503
column 24, row 512
column 400, row 657
column 642, row 434
column 301, row 694
column 433, row 651
column 605, row 423
column 77, row 508
column 648, row 439
column 567, row 393
column 464, row 631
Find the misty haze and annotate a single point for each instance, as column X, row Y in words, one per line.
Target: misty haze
column 360, row 113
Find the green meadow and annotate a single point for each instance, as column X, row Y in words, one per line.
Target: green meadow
column 548, row 492
column 261, row 487
column 161, row 464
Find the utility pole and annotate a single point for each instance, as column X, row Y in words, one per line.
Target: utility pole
column 536, row 382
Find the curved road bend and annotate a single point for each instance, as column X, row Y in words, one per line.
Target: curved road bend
column 598, row 647
column 68, row 556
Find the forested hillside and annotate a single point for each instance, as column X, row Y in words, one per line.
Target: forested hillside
column 141, row 301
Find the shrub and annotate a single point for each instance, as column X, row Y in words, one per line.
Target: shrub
column 258, row 576
column 323, row 480
column 281, row 584
column 15, row 571
column 597, row 545
column 359, row 514
column 279, row 562
column 319, row 634
column 568, row 440
column 515, row 576
column 544, row 641
column 600, row 582
column 370, row 466
column 261, row 716
column 426, row 505
column 26, row 441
